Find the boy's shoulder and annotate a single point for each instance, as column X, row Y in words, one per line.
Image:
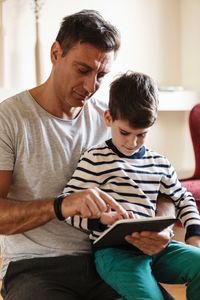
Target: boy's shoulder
column 98, row 148
column 149, row 153
column 99, row 152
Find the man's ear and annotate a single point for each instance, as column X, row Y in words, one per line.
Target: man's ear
column 107, row 117
column 56, row 52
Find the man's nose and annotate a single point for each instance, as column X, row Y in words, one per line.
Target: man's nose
column 90, row 84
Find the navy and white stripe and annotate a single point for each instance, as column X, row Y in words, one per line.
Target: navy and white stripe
column 134, row 182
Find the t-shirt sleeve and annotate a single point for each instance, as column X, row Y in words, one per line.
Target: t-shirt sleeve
column 6, row 146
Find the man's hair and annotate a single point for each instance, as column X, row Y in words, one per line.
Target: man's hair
column 134, row 98
column 88, row 26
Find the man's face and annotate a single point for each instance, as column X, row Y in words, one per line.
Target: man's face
column 78, row 75
column 126, row 139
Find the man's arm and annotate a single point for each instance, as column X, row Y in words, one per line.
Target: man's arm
column 21, row 216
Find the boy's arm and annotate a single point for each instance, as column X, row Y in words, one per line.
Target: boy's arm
column 152, row 242
column 184, row 206
column 165, row 206
column 194, row 241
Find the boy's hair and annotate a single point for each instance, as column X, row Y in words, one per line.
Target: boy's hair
column 134, row 98
column 88, row 26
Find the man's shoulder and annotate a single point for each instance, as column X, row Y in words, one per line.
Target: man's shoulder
column 14, row 100
column 97, row 104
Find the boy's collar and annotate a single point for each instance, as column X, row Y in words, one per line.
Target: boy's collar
column 139, row 154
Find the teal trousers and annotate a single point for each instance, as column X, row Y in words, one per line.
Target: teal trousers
column 135, row 276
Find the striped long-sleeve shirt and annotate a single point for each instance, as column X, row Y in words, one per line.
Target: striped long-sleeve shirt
column 134, row 182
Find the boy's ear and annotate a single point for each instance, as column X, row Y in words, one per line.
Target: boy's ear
column 107, row 117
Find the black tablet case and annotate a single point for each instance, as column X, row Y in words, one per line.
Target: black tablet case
column 114, row 235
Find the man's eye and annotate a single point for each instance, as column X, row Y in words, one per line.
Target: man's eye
column 100, row 76
column 83, row 71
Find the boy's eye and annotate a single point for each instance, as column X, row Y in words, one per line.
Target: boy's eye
column 142, row 135
column 124, row 132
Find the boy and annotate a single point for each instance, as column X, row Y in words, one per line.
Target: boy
column 134, row 176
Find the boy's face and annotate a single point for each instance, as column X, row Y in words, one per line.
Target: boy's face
column 125, row 138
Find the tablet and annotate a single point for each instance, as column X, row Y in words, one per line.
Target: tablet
column 114, row 235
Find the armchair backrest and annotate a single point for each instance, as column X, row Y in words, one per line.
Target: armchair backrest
column 194, row 123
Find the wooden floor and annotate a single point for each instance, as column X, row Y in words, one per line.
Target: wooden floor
column 177, row 291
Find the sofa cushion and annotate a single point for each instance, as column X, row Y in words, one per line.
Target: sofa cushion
column 193, row 185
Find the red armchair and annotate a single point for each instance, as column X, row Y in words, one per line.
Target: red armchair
column 193, row 183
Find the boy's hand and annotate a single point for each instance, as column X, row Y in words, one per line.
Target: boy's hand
column 111, row 217
column 194, row 241
column 149, row 242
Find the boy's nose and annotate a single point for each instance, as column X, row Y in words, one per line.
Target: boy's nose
column 133, row 142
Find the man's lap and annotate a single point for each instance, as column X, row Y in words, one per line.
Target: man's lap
column 60, row 278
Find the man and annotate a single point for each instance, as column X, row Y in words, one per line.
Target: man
column 43, row 133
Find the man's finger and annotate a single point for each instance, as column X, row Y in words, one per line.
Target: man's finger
column 114, row 205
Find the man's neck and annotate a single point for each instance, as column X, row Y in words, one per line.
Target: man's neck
column 47, row 99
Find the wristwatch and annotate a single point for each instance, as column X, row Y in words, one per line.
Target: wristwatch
column 57, row 207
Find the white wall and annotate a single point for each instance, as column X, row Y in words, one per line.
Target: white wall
column 159, row 37
column 150, row 41
column 170, row 136
column 190, row 46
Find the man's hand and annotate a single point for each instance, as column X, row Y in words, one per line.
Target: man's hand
column 150, row 242
column 194, row 241
column 90, row 203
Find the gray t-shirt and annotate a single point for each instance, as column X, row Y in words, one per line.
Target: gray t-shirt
column 42, row 151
